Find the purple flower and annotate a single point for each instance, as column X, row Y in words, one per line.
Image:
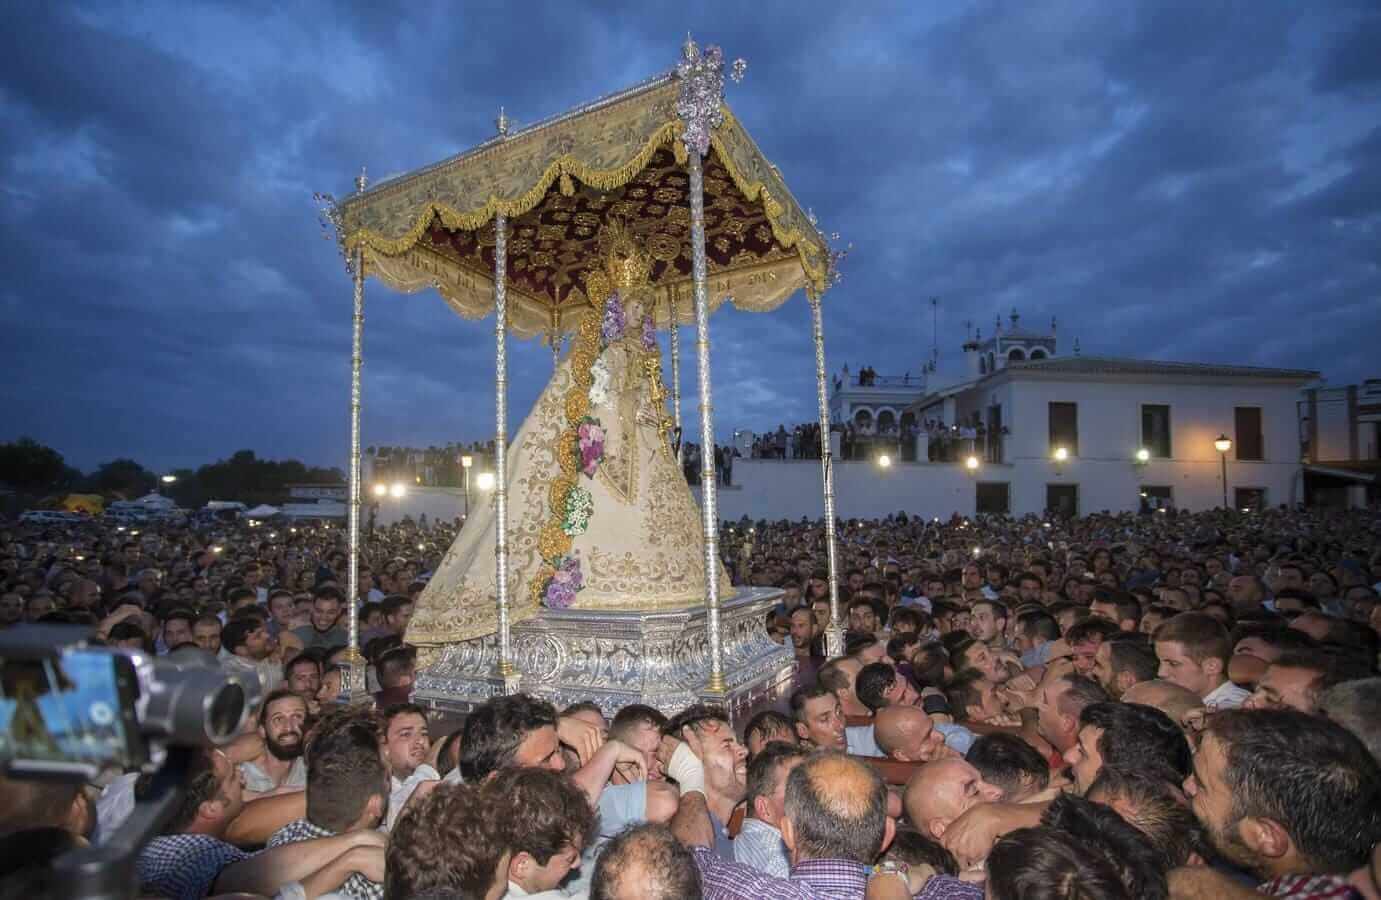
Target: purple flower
column 649, row 334
column 564, row 583
column 611, row 327
column 591, row 441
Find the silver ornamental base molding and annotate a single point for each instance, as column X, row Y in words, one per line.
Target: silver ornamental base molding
column 661, row 659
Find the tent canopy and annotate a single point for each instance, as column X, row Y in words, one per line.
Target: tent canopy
column 559, row 182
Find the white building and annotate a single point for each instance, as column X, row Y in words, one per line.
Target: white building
column 1029, row 430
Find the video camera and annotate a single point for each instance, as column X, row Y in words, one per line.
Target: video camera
column 71, row 711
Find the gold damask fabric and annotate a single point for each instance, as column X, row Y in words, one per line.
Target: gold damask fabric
column 643, row 549
column 559, row 184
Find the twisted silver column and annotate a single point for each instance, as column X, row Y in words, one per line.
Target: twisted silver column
column 506, row 668
column 676, row 377
column 834, row 636
column 708, row 506
column 355, row 686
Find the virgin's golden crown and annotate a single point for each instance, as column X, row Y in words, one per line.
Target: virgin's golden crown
column 627, row 264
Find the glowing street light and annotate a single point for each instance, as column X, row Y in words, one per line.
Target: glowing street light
column 884, row 461
column 1061, row 454
column 398, row 490
column 380, row 490
column 971, row 463
column 485, row 481
column 1143, row 455
column 1223, row 444
column 168, row 479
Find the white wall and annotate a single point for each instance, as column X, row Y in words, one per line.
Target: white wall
column 435, row 502
column 1105, row 470
column 790, row 489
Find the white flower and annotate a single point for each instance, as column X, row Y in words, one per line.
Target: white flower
column 599, row 382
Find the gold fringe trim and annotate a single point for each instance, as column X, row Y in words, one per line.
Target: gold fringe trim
column 565, row 166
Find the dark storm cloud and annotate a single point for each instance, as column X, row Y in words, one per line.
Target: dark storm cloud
column 1169, row 180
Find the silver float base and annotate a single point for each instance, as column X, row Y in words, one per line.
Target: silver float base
column 615, row 658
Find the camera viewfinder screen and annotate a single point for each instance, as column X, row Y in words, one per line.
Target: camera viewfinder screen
column 72, row 713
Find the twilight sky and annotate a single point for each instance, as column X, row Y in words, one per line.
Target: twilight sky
column 1182, row 181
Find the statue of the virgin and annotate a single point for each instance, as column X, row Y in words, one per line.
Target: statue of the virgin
column 600, row 515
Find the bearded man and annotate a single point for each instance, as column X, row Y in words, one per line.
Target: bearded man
column 280, row 767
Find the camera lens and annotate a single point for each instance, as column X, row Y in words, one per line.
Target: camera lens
column 224, row 711
column 191, row 702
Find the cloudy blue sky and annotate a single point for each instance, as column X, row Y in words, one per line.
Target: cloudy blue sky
column 1182, row 181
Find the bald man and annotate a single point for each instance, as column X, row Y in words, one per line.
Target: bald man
column 1176, row 702
column 944, row 790
column 834, row 826
column 906, row 734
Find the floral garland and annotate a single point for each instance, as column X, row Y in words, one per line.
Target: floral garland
column 581, row 444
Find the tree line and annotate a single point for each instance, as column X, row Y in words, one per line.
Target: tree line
column 30, row 468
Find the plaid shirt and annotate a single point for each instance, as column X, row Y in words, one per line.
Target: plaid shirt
column 184, row 866
column 356, row 887
column 1308, row 887
column 812, row 879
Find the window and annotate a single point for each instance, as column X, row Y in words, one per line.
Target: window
column 1249, row 443
column 992, row 498
column 1062, row 499
column 1064, row 427
column 1155, row 429
column 1249, row 499
column 1156, row 497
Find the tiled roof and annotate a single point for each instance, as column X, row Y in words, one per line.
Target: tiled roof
column 1112, row 365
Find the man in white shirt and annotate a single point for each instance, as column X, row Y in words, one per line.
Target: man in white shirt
column 759, row 842
column 406, row 745
column 1193, row 649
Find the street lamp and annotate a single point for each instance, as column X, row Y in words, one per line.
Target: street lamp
column 885, row 461
column 1143, row 456
column 485, row 481
column 1061, row 454
column 398, row 490
column 466, row 462
column 168, row 479
column 1223, row 445
column 971, row 463
column 380, row 490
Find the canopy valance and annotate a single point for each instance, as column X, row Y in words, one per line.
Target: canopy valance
column 558, row 182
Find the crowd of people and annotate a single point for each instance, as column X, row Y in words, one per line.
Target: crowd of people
column 1104, row 708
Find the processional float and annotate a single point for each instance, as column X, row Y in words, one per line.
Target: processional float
column 653, row 203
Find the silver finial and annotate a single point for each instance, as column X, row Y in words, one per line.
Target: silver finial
column 502, row 123
column 689, row 51
column 361, row 180
column 737, row 70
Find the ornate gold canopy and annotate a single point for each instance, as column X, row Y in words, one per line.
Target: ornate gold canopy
column 559, row 182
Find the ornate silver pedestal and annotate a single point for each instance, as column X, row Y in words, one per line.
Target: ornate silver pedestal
column 616, row 658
